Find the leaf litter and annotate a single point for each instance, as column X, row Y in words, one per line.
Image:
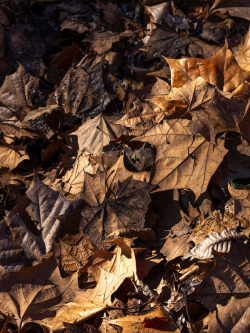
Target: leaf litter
column 124, row 166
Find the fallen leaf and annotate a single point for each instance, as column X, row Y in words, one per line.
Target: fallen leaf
column 232, row 7
column 241, row 202
column 45, row 205
column 102, row 41
column 191, row 160
column 11, row 156
column 175, row 247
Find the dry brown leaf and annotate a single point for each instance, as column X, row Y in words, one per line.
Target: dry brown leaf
column 27, row 292
column 11, row 156
column 45, row 205
column 156, row 321
column 229, row 277
column 102, row 41
column 241, row 202
column 91, row 301
column 221, row 70
column 17, row 92
column 115, row 203
column 96, row 133
column 182, row 160
column 175, row 247
column 233, row 317
column 74, row 178
column 73, row 251
column 231, row 7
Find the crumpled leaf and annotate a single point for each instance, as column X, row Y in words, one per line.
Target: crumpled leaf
column 96, row 133
column 45, row 205
column 156, row 321
column 91, row 301
column 221, row 70
column 182, row 160
column 11, row 156
column 27, row 292
column 219, row 242
column 17, row 91
column 82, row 91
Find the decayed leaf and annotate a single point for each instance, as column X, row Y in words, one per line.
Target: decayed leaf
column 11, row 156
column 182, row 160
column 114, row 204
column 156, row 321
column 241, row 202
column 233, row 317
column 73, row 251
column 96, row 133
column 17, row 91
column 219, row 242
column 82, row 92
column 175, row 247
column 221, row 70
column 90, row 302
column 229, row 277
column 45, row 205
column 27, row 292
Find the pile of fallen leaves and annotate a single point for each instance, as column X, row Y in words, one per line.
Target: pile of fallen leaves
column 124, row 166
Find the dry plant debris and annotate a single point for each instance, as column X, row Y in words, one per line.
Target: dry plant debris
column 124, row 166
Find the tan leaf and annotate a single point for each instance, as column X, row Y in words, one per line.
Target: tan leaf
column 17, row 91
column 175, row 247
column 11, row 156
column 91, row 301
column 182, row 160
column 97, row 133
column 241, row 202
column 28, row 291
column 232, row 7
column 103, row 41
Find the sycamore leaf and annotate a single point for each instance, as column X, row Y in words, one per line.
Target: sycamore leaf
column 219, row 242
column 17, row 91
column 221, row 70
column 28, row 291
column 45, row 205
column 182, row 159
column 229, row 277
column 96, row 133
column 11, row 156
column 113, row 204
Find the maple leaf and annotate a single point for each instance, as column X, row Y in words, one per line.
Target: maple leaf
column 182, row 160
column 96, row 133
column 45, row 205
column 221, row 70
column 113, row 204
column 28, row 291
column 91, row 301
